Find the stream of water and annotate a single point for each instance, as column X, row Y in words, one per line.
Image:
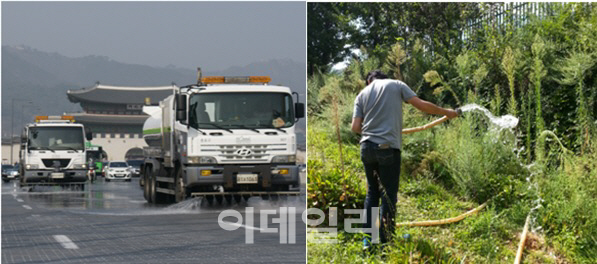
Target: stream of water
column 502, row 122
column 509, row 122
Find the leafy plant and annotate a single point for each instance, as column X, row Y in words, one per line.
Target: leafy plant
column 509, row 65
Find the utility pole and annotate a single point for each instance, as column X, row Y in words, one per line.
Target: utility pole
column 12, row 124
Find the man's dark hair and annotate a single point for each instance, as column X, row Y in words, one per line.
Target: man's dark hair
column 374, row 75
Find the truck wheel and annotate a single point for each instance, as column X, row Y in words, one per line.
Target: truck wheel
column 157, row 197
column 180, row 189
column 22, row 182
column 209, row 199
column 228, row 198
column 238, row 198
column 152, row 192
column 146, row 183
column 219, row 199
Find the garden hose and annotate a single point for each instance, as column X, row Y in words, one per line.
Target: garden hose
column 444, row 221
column 430, row 125
column 421, row 128
column 523, row 238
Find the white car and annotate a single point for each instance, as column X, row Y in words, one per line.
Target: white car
column 117, row 170
column 9, row 172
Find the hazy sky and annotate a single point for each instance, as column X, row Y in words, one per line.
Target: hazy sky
column 212, row 35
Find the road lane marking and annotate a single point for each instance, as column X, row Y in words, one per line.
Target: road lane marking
column 241, row 225
column 65, row 242
column 20, row 200
column 27, row 207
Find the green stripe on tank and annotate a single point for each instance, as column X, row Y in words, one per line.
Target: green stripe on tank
column 156, row 130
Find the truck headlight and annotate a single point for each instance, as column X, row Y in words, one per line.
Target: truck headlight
column 202, row 160
column 80, row 166
column 284, row 159
column 31, row 166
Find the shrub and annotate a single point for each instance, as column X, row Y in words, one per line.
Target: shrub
column 569, row 211
column 326, row 185
column 481, row 161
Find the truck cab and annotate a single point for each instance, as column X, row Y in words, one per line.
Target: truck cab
column 53, row 151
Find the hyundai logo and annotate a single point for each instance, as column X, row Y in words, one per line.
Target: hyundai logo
column 243, row 152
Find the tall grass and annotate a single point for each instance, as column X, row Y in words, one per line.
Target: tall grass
column 538, row 72
column 574, row 70
column 496, row 101
column 509, row 66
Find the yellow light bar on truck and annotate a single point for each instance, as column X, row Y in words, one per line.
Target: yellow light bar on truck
column 38, row 118
column 259, row 79
column 240, row 79
column 47, row 118
column 213, row 79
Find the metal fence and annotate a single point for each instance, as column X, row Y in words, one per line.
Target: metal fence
column 514, row 15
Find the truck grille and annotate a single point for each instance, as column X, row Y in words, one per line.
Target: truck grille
column 231, row 153
column 49, row 163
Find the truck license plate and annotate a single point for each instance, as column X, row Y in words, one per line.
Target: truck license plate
column 246, row 178
column 57, row 175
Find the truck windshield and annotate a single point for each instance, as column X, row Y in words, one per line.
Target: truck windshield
column 56, row 138
column 241, row 110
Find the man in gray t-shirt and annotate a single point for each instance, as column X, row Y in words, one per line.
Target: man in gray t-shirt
column 378, row 118
column 380, row 107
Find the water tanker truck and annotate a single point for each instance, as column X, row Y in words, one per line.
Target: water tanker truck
column 53, row 152
column 222, row 138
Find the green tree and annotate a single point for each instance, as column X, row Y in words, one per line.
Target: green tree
column 326, row 39
column 376, row 26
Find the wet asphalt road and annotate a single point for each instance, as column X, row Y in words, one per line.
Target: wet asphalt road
column 112, row 223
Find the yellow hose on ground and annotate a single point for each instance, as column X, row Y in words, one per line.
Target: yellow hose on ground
column 443, row 221
column 417, row 129
column 523, row 238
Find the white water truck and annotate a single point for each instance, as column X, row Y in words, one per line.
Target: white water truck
column 53, row 152
column 224, row 137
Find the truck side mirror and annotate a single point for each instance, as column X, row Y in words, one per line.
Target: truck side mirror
column 181, row 107
column 88, row 134
column 299, row 109
column 24, row 137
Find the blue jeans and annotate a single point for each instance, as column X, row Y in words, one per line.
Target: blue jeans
column 381, row 166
